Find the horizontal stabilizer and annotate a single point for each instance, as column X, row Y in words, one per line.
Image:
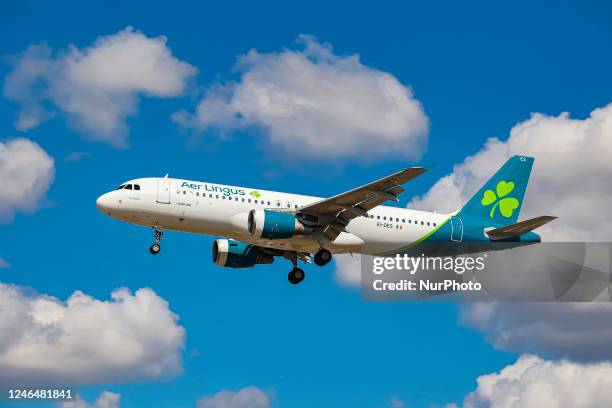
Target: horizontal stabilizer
column 520, row 228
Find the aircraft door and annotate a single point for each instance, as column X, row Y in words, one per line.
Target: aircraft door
column 456, row 229
column 163, row 191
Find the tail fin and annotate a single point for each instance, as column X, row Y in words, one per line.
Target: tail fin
column 500, row 199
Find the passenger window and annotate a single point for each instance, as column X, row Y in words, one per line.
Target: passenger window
column 422, row 223
column 268, row 203
column 184, row 192
column 409, row 221
column 255, row 201
column 397, row 220
column 223, row 197
column 217, row 196
column 249, row 200
column 385, row 218
column 197, row 193
column 243, row 199
column 236, row 198
column 403, row 220
column 434, row 224
column 378, row 217
column 296, row 206
column 428, row 223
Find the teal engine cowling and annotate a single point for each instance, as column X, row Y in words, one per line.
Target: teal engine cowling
column 236, row 254
column 269, row 224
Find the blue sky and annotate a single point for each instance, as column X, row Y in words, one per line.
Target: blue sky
column 478, row 69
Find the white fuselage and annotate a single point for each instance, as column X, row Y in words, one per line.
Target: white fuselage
column 221, row 210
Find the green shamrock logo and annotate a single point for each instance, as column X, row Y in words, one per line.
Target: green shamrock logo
column 255, row 194
column 506, row 205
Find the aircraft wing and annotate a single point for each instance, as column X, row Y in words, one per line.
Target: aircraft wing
column 336, row 212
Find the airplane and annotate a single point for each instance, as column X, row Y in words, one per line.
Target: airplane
column 259, row 225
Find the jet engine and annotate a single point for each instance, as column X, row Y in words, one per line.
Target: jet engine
column 268, row 224
column 236, row 254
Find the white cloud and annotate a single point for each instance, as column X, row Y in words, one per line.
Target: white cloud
column 575, row 331
column 26, row 171
column 105, row 400
column 96, row 87
column 248, row 397
column 348, row 269
column 570, row 178
column 316, row 104
column 84, row 340
column 534, row 383
column 73, row 157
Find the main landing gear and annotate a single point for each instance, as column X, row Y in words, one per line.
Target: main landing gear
column 296, row 275
column 155, row 248
column 322, row 257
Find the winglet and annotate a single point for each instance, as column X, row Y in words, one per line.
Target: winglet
column 428, row 167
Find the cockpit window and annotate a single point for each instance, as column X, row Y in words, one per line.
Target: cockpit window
column 136, row 186
column 120, row 187
column 128, row 187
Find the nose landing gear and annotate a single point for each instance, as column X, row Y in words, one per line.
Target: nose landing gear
column 155, row 248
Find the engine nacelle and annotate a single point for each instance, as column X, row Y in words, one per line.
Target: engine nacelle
column 268, row 224
column 236, row 254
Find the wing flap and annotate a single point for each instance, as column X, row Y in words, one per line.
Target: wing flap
column 520, row 228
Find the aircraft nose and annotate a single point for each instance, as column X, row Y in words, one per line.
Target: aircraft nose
column 104, row 203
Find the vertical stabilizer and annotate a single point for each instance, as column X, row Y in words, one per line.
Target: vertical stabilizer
column 501, row 198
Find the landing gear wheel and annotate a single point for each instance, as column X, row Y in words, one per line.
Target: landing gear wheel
column 322, row 257
column 296, row 276
column 155, row 248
